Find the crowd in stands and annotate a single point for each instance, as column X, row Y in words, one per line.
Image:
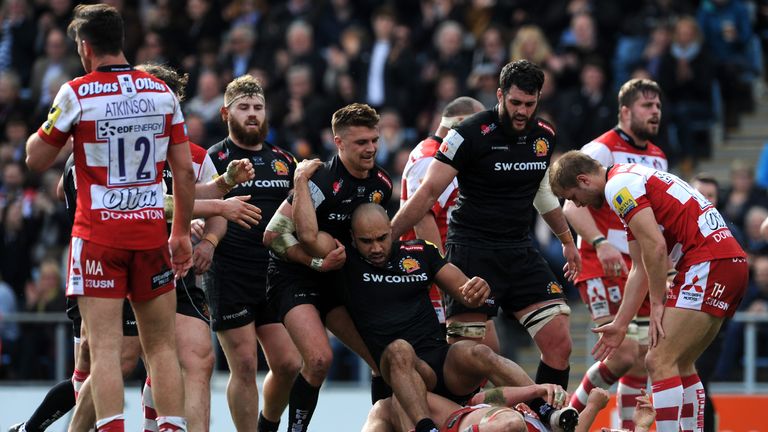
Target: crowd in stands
column 406, row 58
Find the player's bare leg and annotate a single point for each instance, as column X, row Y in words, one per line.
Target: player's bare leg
column 196, row 357
column 240, row 347
column 284, row 363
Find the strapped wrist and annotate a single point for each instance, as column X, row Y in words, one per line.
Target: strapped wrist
column 598, row 241
column 212, row 239
column 316, row 264
column 565, row 237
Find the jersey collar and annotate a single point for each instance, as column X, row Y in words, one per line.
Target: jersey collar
column 628, row 139
column 115, row 68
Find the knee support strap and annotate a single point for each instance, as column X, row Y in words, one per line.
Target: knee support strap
column 534, row 321
column 466, row 329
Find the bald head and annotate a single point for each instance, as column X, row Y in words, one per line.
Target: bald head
column 372, row 234
column 462, row 106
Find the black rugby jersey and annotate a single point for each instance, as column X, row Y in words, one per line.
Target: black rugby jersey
column 499, row 175
column 274, row 168
column 70, row 188
column 392, row 302
column 336, row 194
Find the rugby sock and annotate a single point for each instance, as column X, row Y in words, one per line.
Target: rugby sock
column 692, row 413
column 78, row 378
column 667, row 400
column 598, row 375
column 266, row 425
column 379, row 389
column 116, row 423
column 148, row 407
column 59, row 400
column 171, row 424
column 301, row 404
column 626, row 395
column 426, row 425
column 547, row 374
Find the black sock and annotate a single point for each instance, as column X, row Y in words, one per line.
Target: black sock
column 267, row 425
column 548, row 374
column 301, row 404
column 426, row 425
column 542, row 408
column 59, row 400
column 379, row 389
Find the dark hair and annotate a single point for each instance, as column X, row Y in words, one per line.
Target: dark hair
column 632, row 89
column 177, row 83
column 461, row 106
column 527, row 76
column 99, row 24
column 355, row 114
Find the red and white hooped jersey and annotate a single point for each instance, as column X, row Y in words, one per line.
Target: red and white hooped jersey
column 122, row 122
column 693, row 228
column 614, row 147
column 413, row 174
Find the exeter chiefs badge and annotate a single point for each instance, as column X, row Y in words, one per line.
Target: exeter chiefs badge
column 541, row 147
column 279, row 167
column 376, row 197
column 409, row 264
column 554, row 288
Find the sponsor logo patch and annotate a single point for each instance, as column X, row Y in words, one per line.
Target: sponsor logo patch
column 451, row 144
column 376, row 197
column 409, row 264
column 541, row 147
column 163, row 278
column 554, row 288
column 279, row 167
column 50, row 122
column 337, row 186
column 624, row 202
column 486, row 129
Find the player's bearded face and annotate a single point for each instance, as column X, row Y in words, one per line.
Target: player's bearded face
column 518, row 107
column 645, row 117
column 247, row 121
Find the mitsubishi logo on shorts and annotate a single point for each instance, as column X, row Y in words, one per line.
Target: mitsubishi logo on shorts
column 107, row 129
column 693, row 286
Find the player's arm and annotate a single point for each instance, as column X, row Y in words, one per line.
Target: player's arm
column 303, row 210
column 427, row 229
column 470, row 292
column 180, row 162
column 238, row 171
column 280, row 238
column 439, row 176
column 597, row 400
column 40, row 154
column 582, row 221
column 235, row 209
column 215, row 230
column 513, row 395
column 548, row 206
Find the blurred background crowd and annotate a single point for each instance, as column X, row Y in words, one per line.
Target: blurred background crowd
column 406, row 58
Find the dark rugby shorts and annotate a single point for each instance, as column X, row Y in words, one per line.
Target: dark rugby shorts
column 237, row 294
column 129, row 319
column 291, row 285
column 190, row 298
column 518, row 277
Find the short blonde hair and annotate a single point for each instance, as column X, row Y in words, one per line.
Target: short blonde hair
column 563, row 173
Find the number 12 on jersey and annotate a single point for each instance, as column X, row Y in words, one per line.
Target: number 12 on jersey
column 131, row 146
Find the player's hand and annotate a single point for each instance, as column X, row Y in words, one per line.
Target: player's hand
column 181, row 255
column 197, row 228
column 239, row 171
column 611, row 259
column 611, row 336
column 655, row 329
column 306, row 168
column 335, row 258
column 598, row 397
column 572, row 267
column 645, row 414
column 554, row 395
column 202, row 256
column 237, row 209
column 475, row 291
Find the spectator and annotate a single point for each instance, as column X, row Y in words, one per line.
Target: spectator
column 333, row 20
column 9, row 330
column 391, row 139
column 686, row 75
column 448, row 54
column 588, row 111
column 203, row 21
column 742, row 195
column 15, row 247
column 483, row 82
column 43, row 294
column 209, row 98
column 11, row 103
column 152, row 50
column 755, row 242
column 729, row 38
column 300, row 49
column 239, row 53
column 531, row 44
column 48, row 69
column 17, row 39
column 491, row 49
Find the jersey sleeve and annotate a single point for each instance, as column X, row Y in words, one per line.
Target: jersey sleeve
column 320, row 188
column 433, row 257
column 599, row 152
column 63, row 115
column 416, row 174
column 453, row 151
column 178, row 127
column 207, row 170
column 626, row 195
